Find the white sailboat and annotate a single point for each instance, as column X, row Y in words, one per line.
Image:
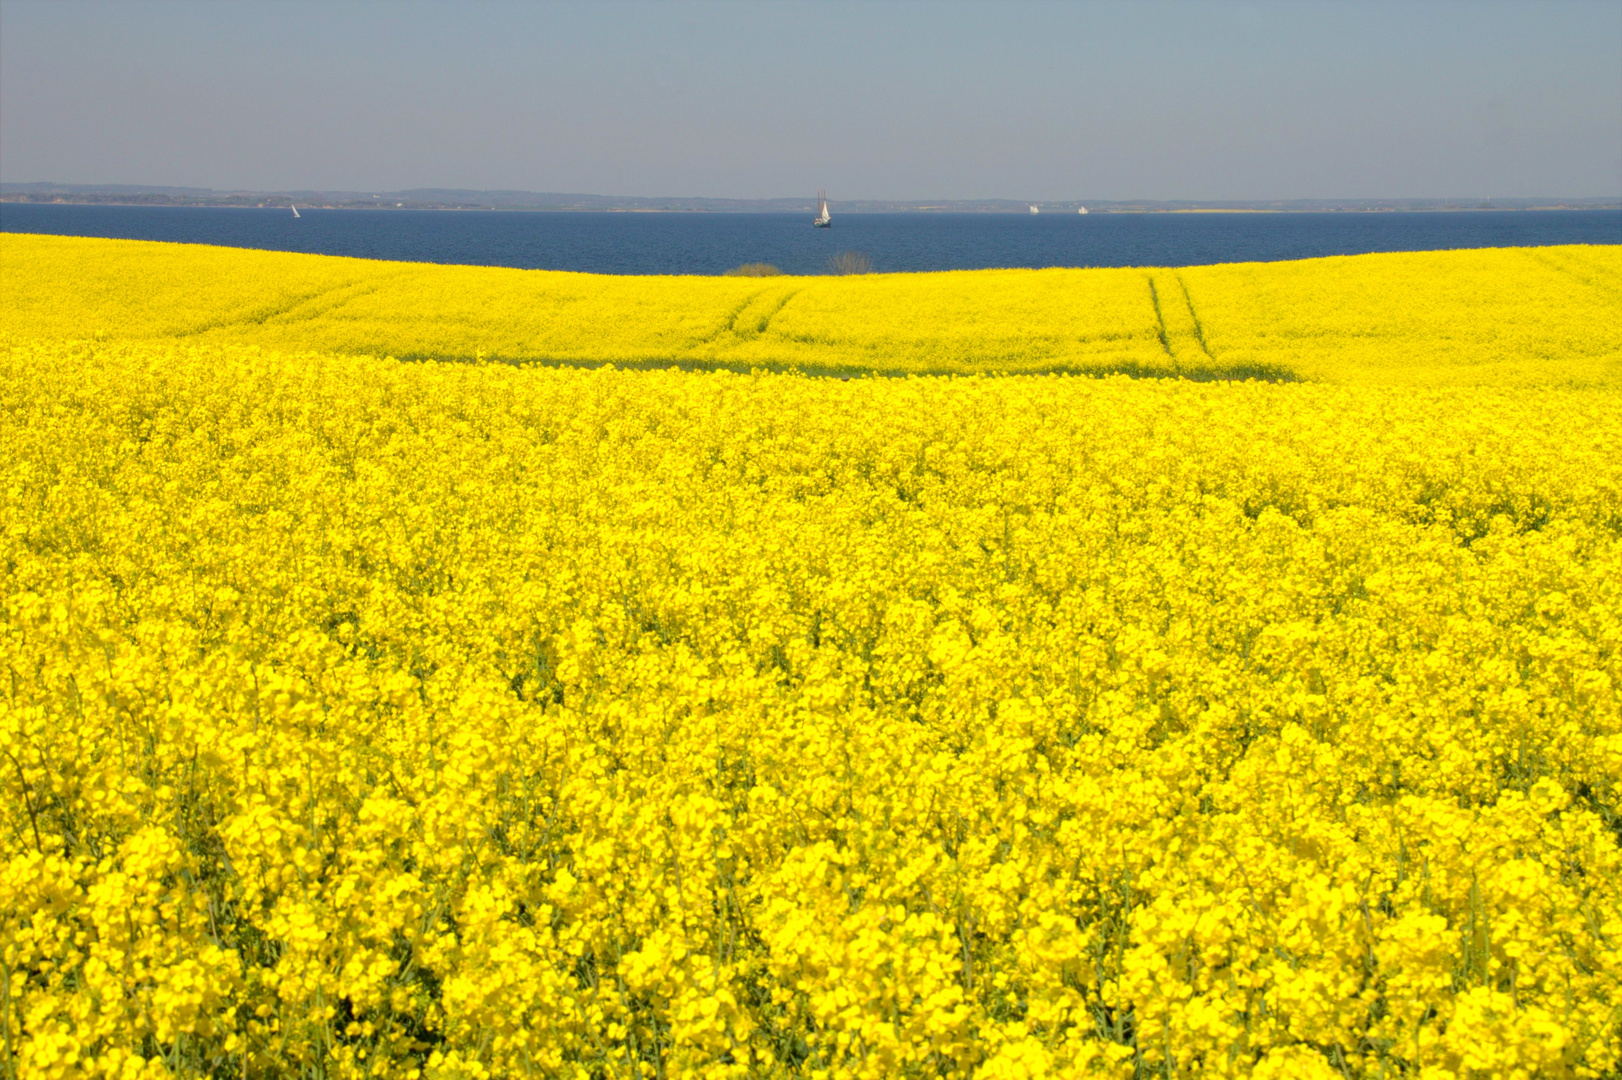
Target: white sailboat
column 1083, row 210
column 295, row 209
column 1035, row 209
column 823, row 218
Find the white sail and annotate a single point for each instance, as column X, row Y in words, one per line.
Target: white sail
column 1034, row 210
column 1083, row 210
column 823, row 217
column 295, row 210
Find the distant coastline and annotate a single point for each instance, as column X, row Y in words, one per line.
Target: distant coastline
column 458, row 199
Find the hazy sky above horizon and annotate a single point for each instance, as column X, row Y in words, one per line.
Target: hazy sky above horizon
column 887, row 100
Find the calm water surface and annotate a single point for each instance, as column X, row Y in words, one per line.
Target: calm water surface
column 609, row 243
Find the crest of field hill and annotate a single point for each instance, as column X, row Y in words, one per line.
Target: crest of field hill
column 1520, row 315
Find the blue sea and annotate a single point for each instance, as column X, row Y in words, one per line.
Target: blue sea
column 697, row 243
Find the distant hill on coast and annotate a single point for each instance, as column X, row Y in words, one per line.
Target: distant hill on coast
column 460, row 199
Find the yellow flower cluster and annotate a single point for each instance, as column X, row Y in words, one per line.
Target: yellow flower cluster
column 365, row 718
column 1527, row 316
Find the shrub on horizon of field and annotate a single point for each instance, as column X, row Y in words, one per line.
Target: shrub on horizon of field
column 849, row 262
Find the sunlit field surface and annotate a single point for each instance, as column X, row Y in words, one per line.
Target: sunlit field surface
column 386, row 717
column 1527, row 316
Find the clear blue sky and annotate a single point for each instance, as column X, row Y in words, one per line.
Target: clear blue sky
column 897, row 100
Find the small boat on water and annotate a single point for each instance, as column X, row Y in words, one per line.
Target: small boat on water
column 295, row 210
column 1035, row 209
column 1083, row 210
column 823, row 219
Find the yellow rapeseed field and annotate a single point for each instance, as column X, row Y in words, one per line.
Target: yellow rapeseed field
column 1527, row 316
column 374, row 717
